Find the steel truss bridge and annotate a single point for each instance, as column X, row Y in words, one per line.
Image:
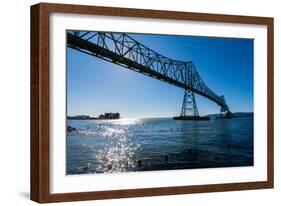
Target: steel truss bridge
column 123, row 50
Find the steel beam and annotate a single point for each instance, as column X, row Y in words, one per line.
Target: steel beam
column 123, row 50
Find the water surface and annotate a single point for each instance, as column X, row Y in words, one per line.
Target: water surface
column 130, row 144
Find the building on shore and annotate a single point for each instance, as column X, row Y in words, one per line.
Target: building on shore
column 110, row 116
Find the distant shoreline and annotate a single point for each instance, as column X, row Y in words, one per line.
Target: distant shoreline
column 89, row 118
column 86, row 117
column 109, row 115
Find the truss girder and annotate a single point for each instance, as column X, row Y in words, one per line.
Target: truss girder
column 123, row 50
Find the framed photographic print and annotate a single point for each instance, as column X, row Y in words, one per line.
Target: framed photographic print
column 131, row 102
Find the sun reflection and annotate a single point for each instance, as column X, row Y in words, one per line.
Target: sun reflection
column 127, row 121
column 118, row 155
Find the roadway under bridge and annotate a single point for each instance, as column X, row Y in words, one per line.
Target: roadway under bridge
column 123, row 50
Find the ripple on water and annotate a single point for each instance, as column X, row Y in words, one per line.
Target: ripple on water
column 156, row 144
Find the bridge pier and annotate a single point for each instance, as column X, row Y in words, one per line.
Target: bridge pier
column 227, row 115
column 189, row 109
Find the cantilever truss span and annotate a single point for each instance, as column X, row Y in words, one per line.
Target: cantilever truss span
column 121, row 49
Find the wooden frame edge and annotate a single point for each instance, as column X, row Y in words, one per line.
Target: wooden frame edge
column 270, row 102
column 34, row 107
column 39, row 145
column 39, row 167
column 149, row 192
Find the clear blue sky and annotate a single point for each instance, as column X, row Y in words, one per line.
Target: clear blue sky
column 95, row 86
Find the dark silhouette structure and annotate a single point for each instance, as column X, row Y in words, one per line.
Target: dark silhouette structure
column 121, row 49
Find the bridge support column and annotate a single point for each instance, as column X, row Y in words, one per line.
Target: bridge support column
column 189, row 109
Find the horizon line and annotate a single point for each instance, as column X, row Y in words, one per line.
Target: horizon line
column 154, row 116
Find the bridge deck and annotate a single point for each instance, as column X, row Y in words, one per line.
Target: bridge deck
column 123, row 50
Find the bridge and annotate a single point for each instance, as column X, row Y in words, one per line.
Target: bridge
column 123, row 50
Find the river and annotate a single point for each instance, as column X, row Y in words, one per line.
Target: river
column 146, row 144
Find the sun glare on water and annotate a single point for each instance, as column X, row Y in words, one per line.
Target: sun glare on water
column 127, row 121
column 118, row 155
